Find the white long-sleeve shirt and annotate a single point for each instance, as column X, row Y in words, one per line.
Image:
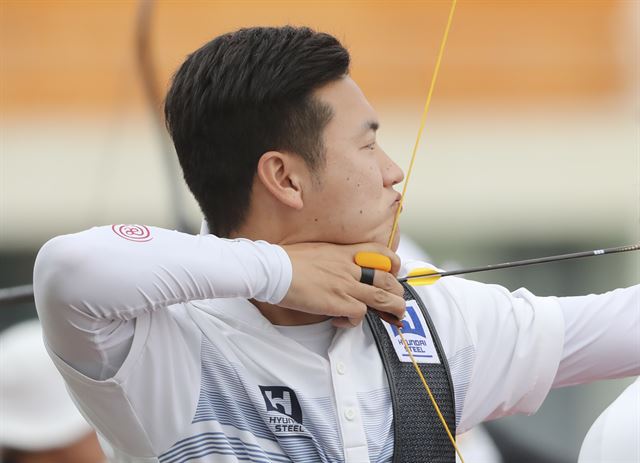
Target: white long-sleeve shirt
column 165, row 356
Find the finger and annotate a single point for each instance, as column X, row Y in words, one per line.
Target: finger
column 352, row 314
column 344, row 322
column 340, row 322
column 388, row 282
column 367, row 275
column 380, row 299
column 390, row 319
column 351, row 309
column 384, row 280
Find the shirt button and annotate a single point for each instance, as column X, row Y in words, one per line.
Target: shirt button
column 341, row 368
column 349, row 413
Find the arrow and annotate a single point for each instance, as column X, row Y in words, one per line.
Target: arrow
column 424, row 276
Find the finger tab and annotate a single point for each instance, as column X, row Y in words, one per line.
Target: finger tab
column 373, row 260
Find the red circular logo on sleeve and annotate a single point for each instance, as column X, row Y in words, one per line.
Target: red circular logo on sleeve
column 138, row 233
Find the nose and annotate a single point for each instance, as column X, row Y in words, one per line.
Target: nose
column 392, row 174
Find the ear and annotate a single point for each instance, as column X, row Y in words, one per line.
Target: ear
column 282, row 175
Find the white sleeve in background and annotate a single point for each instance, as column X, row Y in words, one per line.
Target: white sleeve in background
column 91, row 286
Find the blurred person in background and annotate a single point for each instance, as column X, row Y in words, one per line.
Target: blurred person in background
column 615, row 435
column 39, row 423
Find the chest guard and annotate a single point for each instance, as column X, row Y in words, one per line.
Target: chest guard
column 419, row 436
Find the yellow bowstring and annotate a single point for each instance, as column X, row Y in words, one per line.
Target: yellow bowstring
column 397, row 216
column 423, row 121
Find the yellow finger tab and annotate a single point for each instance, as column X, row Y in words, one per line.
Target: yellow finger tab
column 373, row 260
column 425, row 280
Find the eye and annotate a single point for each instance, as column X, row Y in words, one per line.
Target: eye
column 371, row 146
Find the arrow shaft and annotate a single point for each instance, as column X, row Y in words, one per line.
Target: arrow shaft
column 539, row 260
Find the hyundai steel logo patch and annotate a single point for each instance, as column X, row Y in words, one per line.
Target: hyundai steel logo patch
column 416, row 332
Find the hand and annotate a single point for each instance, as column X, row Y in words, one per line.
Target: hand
column 326, row 281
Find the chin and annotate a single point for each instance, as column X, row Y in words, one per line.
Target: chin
column 382, row 236
column 383, row 239
column 375, row 234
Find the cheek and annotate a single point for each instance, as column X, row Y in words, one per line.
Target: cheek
column 356, row 201
column 350, row 197
column 358, row 191
column 367, row 187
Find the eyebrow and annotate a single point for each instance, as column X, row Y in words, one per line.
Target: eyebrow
column 369, row 126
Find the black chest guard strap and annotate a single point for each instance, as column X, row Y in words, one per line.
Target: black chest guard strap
column 419, row 436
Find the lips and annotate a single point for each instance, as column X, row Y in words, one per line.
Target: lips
column 397, row 200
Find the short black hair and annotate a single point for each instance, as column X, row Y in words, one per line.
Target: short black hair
column 240, row 95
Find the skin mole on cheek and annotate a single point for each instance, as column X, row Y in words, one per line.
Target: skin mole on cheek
column 360, row 211
column 357, row 185
column 315, row 220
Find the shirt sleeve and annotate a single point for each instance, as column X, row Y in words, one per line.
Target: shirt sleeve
column 602, row 337
column 515, row 345
column 90, row 287
column 506, row 350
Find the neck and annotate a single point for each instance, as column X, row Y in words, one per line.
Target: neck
column 287, row 317
column 268, row 220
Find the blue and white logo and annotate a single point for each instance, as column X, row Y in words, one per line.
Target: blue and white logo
column 417, row 334
column 411, row 324
column 284, row 414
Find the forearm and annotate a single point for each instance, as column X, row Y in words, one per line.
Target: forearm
column 90, row 286
column 602, row 337
column 113, row 278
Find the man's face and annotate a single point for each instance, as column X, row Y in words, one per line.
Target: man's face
column 355, row 200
